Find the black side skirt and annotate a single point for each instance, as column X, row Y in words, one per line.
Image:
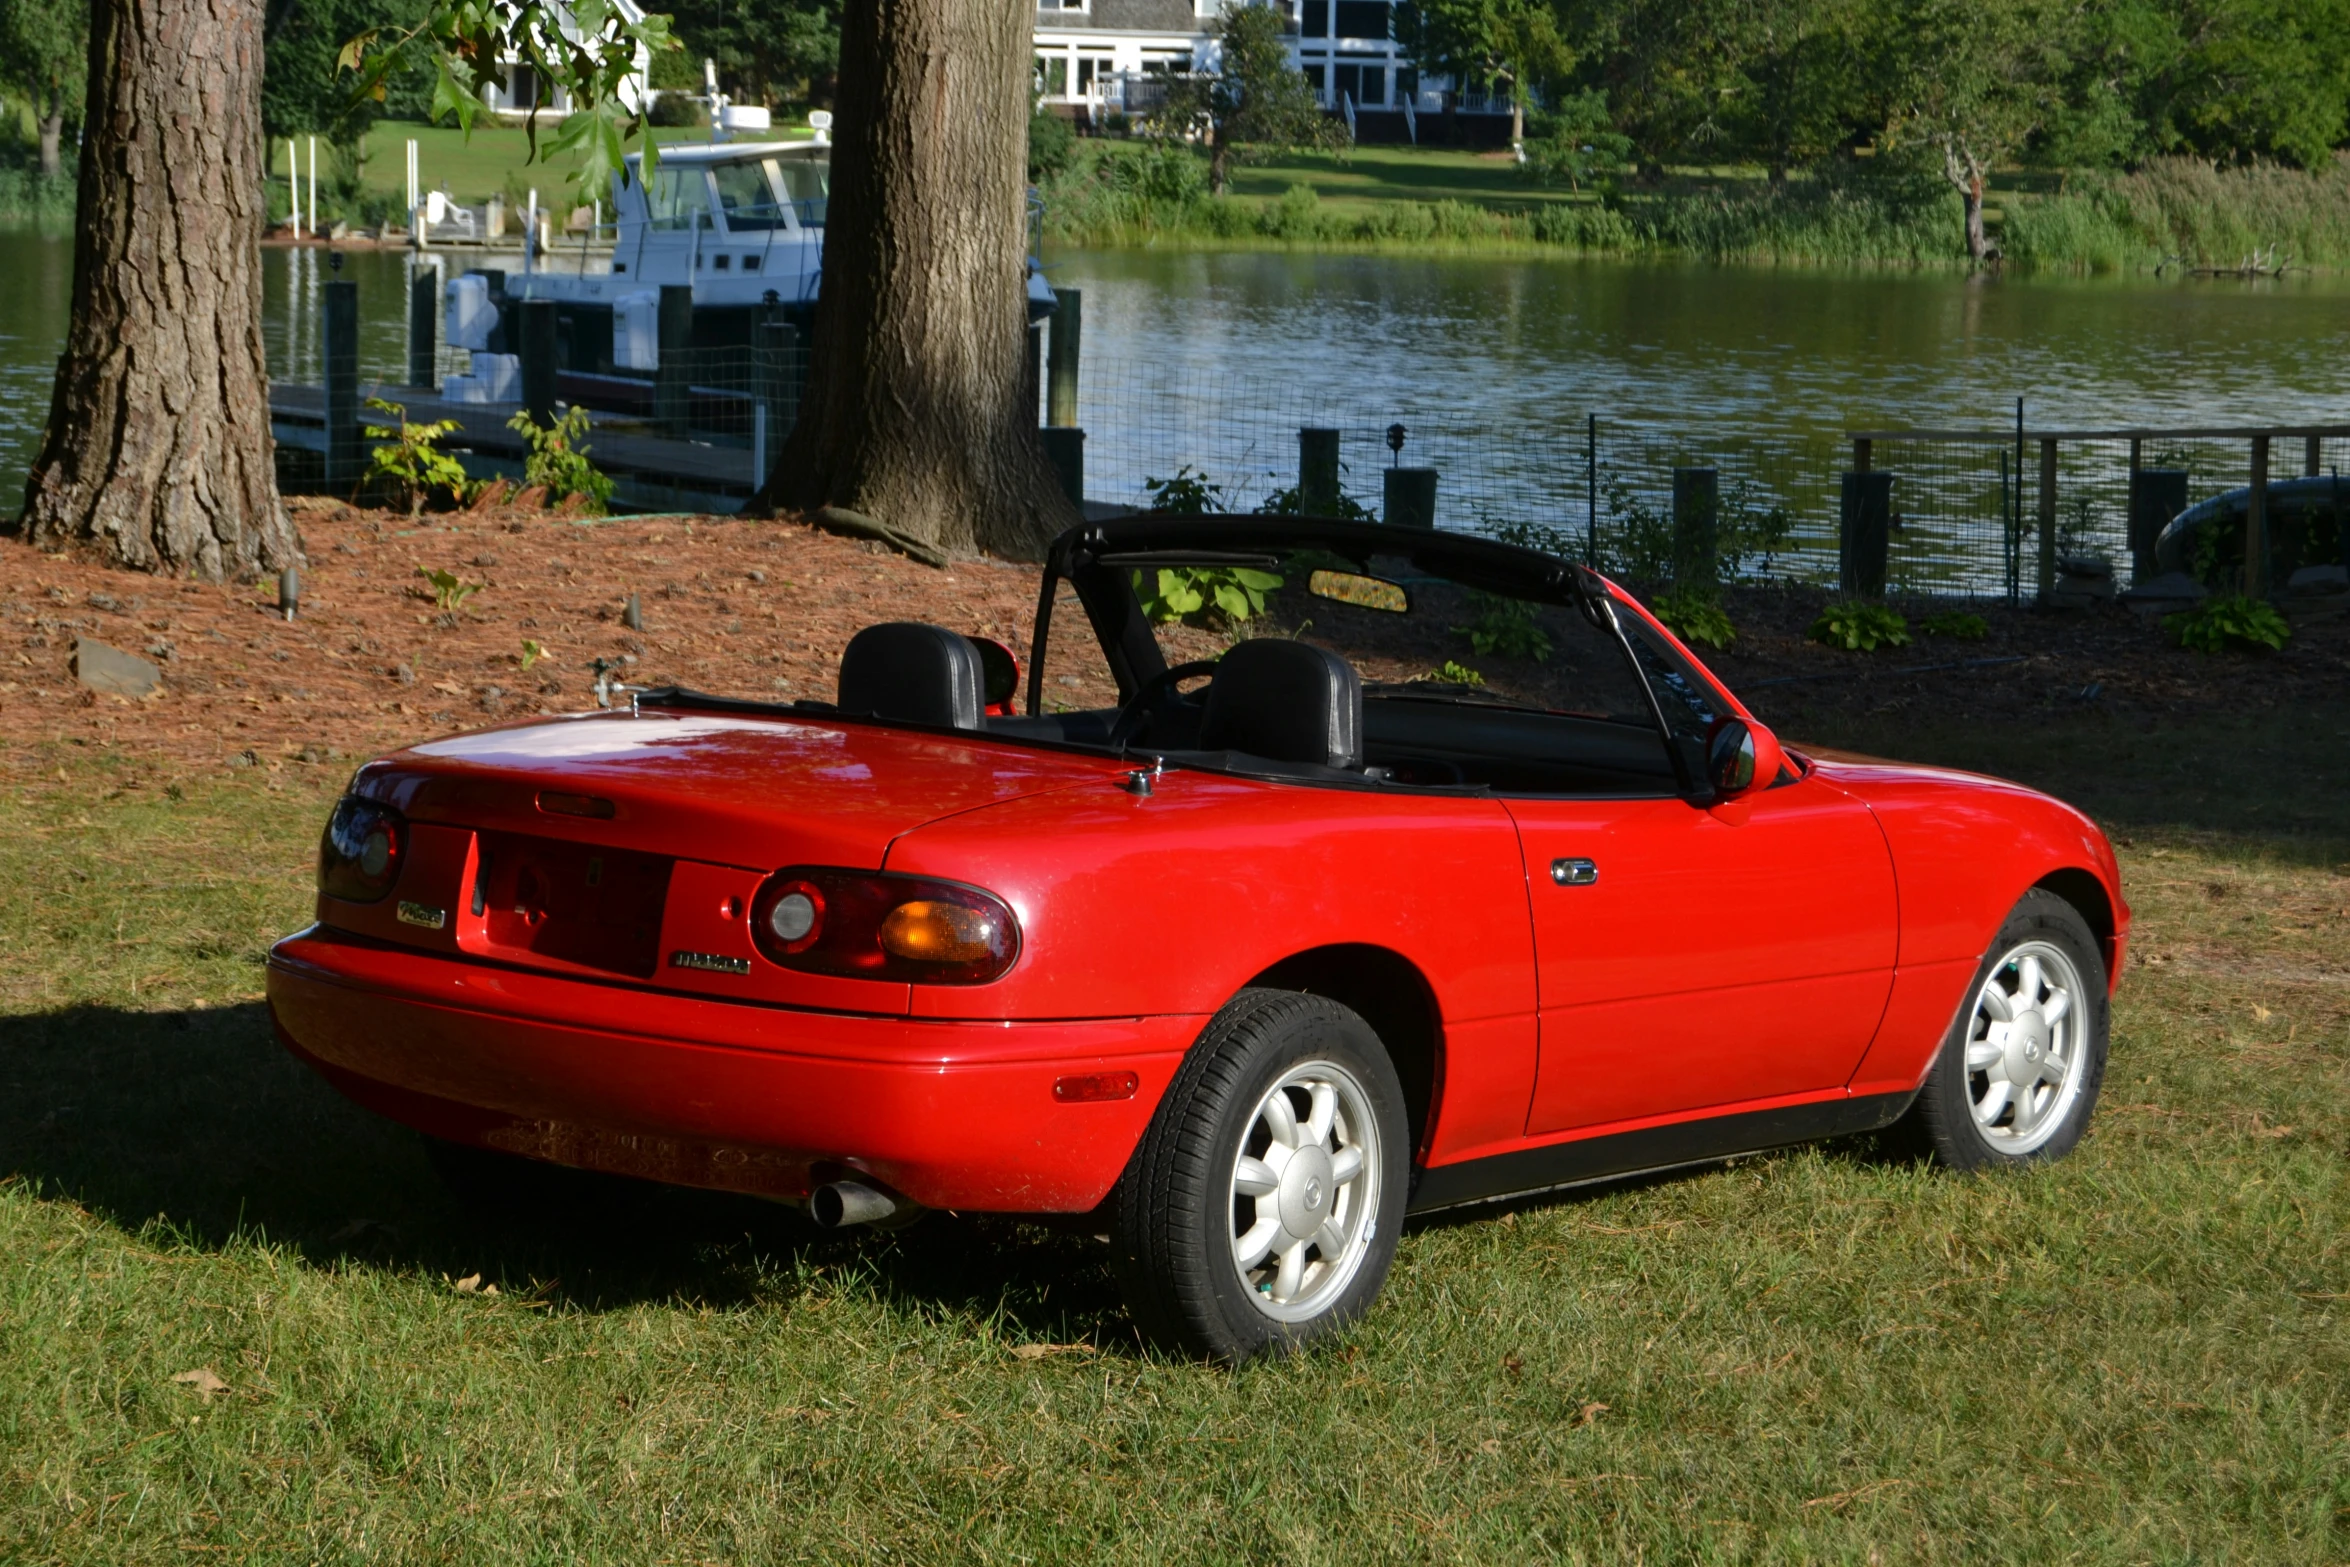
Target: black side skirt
column 1589, row 1159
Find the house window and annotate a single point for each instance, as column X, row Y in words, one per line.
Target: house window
column 1362, row 18
column 1052, row 75
column 1366, row 84
column 1062, row 5
column 1316, row 23
column 1093, row 74
column 1407, row 84
column 1318, row 79
column 522, row 89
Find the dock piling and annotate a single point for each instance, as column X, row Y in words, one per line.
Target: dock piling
column 775, row 355
column 1317, row 472
column 2156, row 496
column 1410, row 497
column 1697, row 526
column 672, row 399
column 424, row 314
column 1064, row 448
column 2256, row 523
column 2047, row 574
column 1068, row 326
column 538, row 361
column 340, row 321
column 1864, row 532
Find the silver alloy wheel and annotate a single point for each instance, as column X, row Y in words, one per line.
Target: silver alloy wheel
column 2024, row 1057
column 1305, row 1191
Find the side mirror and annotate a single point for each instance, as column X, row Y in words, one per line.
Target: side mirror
column 1742, row 755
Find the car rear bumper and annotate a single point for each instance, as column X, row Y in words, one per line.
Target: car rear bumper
column 759, row 1099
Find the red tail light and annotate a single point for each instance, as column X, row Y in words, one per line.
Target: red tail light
column 359, row 853
column 824, row 921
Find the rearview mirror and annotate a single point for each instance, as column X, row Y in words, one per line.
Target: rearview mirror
column 1363, row 592
column 1741, row 755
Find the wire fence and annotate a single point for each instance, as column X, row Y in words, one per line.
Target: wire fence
column 1972, row 514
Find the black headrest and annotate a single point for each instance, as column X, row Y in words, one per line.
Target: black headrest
column 914, row 673
column 1286, row 701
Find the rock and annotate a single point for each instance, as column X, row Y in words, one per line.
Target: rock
column 756, row 576
column 403, row 674
column 2320, row 579
column 2082, row 581
column 2173, row 590
column 315, row 753
column 104, row 601
column 2084, row 566
column 485, row 560
column 112, row 671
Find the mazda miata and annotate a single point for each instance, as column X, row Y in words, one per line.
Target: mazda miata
column 1454, row 878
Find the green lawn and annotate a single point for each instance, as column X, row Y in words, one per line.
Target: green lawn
column 494, row 158
column 2137, row 1355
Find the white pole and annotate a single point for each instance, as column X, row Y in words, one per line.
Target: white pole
column 530, row 231
column 313, row 185
column 294, row 185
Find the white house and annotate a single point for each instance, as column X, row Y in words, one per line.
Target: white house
column 516, row 89
column 1095, row 57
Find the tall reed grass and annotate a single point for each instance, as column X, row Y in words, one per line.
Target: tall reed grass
column 2182, row 210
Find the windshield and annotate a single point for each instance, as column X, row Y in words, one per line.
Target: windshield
column 1463, row 686
column 746, row 195
column 805, row 182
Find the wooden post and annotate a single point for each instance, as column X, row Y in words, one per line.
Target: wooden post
column 1410, row 497
column 1317, row 472
column 2256, row 523
column 672, row 397
column 340, row 313
column 1061, row 361
column 1864, row 533
column 2156, row 496
column 1064, row 448
column 538, row 361
column 424, row 314
column 1036, row 368
column 1863, row 451
column 2311, row 457
column 2047, row 586
column 1696, row 527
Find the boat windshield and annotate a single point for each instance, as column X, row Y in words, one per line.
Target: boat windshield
column 676, row 198
column 806, row 183
column 747, row 195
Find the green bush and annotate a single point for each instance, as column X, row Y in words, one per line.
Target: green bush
column 2229, row 621
column 411, row 464
column 1957, row 625
column 559, row 459
column 1052, row 146
column 1198, row 594
column 1507, row 627
column 1860, row 628
column 1694, row 617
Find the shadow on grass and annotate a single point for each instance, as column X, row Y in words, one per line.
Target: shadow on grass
column 196, row 1123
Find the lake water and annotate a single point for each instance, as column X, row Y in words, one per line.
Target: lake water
column 1493, row 366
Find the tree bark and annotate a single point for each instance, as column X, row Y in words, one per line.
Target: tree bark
column 914, row 414
column 158, row 452
column 1978, row 244
column 52, row 126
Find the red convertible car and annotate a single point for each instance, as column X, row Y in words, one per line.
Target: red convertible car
column 1456, row 878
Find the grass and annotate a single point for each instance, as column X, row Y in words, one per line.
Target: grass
column 2137, row 1355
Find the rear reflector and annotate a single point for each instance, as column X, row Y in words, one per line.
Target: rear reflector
column 555, row 804
column 1095, row 1086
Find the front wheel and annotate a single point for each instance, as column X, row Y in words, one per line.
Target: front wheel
column 2018, row 1075
column 1261, row 1210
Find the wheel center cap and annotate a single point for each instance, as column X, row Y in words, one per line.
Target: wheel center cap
column 2027, row 1046
column 1307, row 1191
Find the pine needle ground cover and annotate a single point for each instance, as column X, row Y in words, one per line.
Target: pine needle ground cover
column 239, row 1318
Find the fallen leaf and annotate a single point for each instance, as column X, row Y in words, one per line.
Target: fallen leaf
column 449, row 686
column 2262, row 1013
column 1039, row 1351
column 1589, row 1413
column 1512, row 1364
column 204, row 1380
column 1490, row 1446
column 468, row 1284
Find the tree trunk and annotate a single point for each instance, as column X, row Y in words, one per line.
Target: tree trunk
column 1219, row 161
column 158, row 453
column 53, row 137
column 915, row 414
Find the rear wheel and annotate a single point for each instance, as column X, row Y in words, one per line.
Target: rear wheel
column 2017, row 1078
column 1261, row 1210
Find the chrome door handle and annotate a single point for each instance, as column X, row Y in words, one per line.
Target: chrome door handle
column 1574, row 873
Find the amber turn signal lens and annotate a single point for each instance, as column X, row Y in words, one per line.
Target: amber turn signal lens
column 930, row 932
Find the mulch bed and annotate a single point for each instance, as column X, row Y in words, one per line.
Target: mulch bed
column 763, row 608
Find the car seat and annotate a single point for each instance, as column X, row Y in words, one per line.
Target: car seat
column 913, row 673
column 1286, row 701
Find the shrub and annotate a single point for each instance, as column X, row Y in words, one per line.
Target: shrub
column 2232, row 620
column 1052, row 146
column 1694, row 617
column 1507, row 627
column 1860, row 628
column 675, row 108
column 411, row 464
column 1957, row 625
column 559, row 459
column 449, row 591
column 1194, row 593
column 1189, row 493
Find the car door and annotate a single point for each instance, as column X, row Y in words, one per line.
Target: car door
column 1689, row 959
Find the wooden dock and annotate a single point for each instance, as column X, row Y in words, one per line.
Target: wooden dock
column 655, row 472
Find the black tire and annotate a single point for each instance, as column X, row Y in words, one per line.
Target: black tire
column 1943, row 1124
column 1175, row 1211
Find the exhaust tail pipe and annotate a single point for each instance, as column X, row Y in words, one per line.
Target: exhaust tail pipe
column 842, row 1203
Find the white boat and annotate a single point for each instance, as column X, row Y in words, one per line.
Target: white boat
column 739, row 223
